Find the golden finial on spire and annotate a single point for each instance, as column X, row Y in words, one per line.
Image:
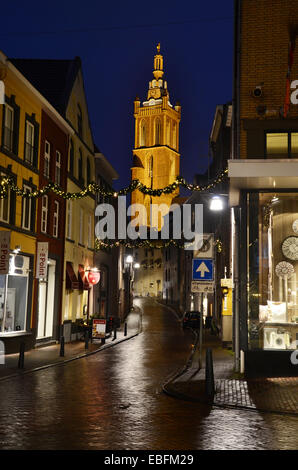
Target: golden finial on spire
column 158, row 48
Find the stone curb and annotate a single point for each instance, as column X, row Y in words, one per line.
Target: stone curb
column 59, row 363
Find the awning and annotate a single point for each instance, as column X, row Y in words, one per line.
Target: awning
column 83, row 283
column 71, row 279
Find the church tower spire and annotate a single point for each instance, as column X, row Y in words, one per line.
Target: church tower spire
column 156, row 158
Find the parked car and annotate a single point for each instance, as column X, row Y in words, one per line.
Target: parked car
column 191, row 319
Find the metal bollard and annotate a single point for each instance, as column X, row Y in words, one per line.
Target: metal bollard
column 103, row 340
column 86, row 339
column 115, row 333
column 125, row 329
column 62, row 346
column 21, row 355
column 209, row 375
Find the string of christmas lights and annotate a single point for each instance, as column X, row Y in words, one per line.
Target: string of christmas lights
column 158, row 244
column 7, row 183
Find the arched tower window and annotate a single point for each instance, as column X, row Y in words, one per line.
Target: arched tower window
column 157, row 132
column 168, row 132
column 174, row 136
column 143, row 134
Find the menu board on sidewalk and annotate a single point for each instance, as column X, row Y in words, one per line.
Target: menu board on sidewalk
column 98, row 328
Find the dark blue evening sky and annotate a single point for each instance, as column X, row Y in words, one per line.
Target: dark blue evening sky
column 116, row 41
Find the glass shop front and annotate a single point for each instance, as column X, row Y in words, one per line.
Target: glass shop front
column 14, row 295
column 272, row 261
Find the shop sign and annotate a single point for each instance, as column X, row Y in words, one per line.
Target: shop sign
column 202, row 287
column 4, row 251
column 98, row 328
column 42, row 260
column 227, row 283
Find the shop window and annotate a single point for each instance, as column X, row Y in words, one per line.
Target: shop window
column 47, row 159
column 44, row 214
column 56, row 219
column 58, row 168
column 272, row 286
column 14, row 294
column 282, row 144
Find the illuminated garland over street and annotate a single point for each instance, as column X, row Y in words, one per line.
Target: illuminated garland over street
column 158, row 244
column 8, row 183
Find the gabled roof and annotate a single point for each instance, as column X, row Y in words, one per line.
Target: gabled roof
column 53, row 78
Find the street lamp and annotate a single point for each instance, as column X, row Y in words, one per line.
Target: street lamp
column 129, row 259
column 216, row 204
column 137, row 265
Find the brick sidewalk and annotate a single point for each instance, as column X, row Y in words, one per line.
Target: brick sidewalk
column 278, row 395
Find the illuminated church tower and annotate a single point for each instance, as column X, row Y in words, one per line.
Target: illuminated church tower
column 156, row 158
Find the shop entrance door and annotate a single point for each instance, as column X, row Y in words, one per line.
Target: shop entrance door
column 46, row 303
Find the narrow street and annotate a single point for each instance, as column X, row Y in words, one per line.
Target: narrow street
column 114, row 400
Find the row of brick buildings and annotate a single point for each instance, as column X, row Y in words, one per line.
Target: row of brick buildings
column 45, row 136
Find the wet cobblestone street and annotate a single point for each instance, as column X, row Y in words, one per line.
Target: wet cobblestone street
column 114, row 400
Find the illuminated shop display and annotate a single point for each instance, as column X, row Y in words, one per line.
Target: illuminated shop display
column 14, row 294
column 272, row 259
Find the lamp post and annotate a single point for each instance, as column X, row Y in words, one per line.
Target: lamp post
column 93, row 277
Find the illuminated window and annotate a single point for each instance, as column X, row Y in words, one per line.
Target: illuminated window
column 282, row 145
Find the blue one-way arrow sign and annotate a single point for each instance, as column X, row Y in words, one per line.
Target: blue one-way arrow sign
column 202, row 269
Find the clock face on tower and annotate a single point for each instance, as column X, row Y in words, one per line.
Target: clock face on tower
column 289, row 248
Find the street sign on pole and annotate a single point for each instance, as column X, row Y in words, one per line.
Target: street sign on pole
column 205, row 286
column 202, row 269
column 206, row 249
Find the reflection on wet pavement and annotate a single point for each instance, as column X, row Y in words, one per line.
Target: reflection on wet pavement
column 114, row 400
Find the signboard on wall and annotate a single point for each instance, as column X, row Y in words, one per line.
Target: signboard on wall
column 42, row 260
column 4, row 251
